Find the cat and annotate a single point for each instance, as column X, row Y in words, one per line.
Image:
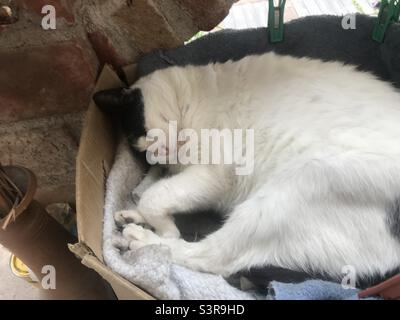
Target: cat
column 325, row 190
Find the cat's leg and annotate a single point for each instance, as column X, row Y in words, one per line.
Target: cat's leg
column 124, row 217
column 132, row 216
column 194, row 188
column 312, row 217
column 241, row 241
column 154, row 174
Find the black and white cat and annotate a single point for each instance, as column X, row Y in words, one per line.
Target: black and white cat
column 325, row 191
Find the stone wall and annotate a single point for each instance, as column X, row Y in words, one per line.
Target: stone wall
column 47, row 76
column 45, row 72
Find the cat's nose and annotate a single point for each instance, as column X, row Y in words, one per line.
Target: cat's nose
column 164, row 151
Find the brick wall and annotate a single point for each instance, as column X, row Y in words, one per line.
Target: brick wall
column 47, row 76
column 47, row 72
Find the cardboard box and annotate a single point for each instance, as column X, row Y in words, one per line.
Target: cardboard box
column 95, row 158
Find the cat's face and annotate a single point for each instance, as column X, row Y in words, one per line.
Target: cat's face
column 141, row 121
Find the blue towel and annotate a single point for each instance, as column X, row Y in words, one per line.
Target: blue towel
column 312, row 290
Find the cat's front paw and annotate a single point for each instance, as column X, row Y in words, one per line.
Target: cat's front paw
column 139, row 237
column 191, row 255
column 125, row 217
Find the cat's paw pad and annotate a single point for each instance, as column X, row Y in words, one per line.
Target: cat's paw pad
column 128, row 216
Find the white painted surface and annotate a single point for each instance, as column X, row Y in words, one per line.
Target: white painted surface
column 254, row 13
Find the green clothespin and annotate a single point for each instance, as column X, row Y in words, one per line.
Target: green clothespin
column 389, row 12
column 276, row 26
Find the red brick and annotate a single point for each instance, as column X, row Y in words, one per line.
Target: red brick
column 105, row 51
column 42, row 81
column 63, row 8
column 146, row 26
column 207, row 14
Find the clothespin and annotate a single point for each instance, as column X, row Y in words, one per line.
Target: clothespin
column 276, row 27
column 389, row 12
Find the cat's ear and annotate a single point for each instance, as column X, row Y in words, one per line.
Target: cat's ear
column 117, row 100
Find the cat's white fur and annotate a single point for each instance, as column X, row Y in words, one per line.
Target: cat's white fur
column 327, row 166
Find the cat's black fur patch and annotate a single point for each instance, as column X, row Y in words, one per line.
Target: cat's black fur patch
column 393, row 218
column 128, row 106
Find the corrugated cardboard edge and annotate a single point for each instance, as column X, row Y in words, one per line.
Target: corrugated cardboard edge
column 122, row 288
column 131, row 73
column 95, row 158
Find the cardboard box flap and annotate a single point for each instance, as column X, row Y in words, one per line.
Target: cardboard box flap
column 95, row 158
column 130, row 73
column 122, row 288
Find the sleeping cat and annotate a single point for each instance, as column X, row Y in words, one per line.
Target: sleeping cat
column 325, row 190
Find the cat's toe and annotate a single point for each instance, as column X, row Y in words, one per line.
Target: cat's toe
column 135, row 244
column 134, row 232
column 119, row 218
column 128, row 216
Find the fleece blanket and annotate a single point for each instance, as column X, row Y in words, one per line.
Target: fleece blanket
column 150, row 267
column 312, row 290
column 319, row 37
